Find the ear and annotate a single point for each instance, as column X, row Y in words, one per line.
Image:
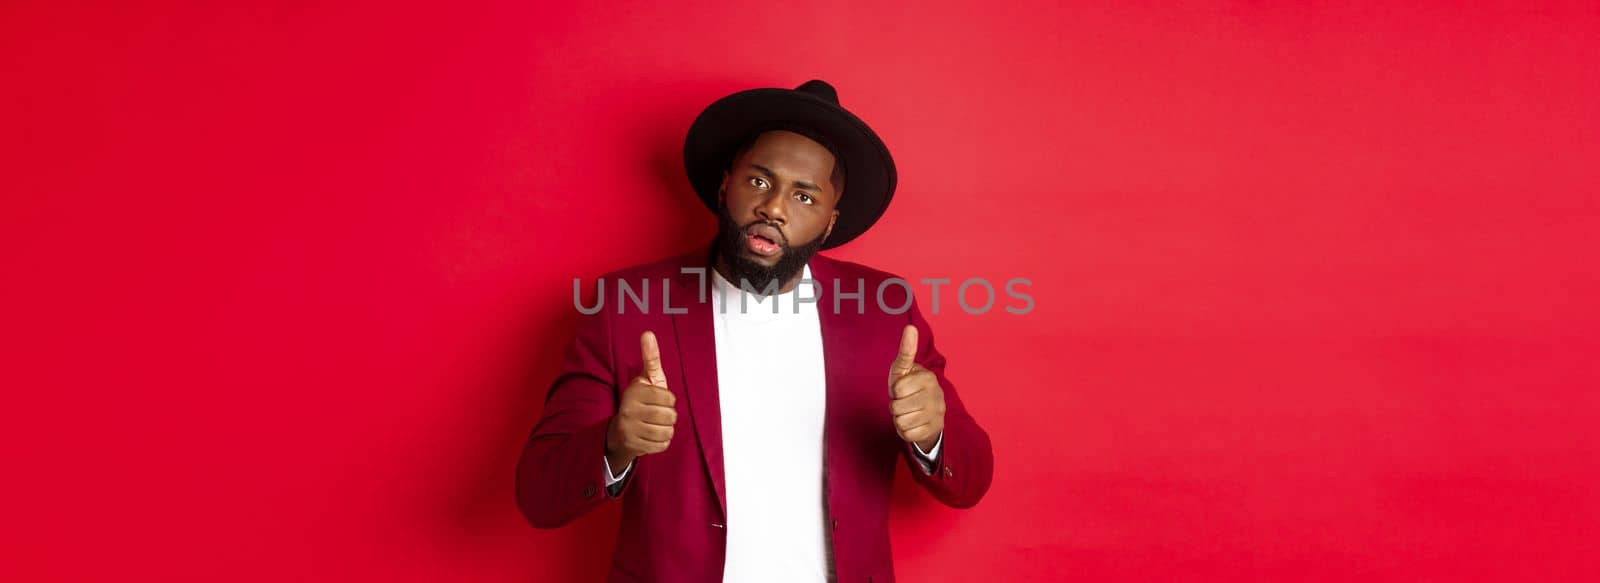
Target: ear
column 722, row 190
column 831, row 220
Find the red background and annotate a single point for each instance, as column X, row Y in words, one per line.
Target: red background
column 283, row 285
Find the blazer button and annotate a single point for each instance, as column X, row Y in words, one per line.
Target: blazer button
column 836, row 525
column 588, row 490
column 948, row 472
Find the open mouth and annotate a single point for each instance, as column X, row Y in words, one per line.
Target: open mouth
column 763, row 240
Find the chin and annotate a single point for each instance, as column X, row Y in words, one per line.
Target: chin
column 763, row 260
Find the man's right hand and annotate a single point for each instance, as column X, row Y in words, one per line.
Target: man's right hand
column 644, row 419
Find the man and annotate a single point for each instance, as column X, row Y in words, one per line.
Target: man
column 750, row 421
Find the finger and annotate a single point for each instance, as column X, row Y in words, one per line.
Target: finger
column 648, row 437
column 920, row 433
column 909, row 384
column 908, row 353
column 918, row 429
column 662, row 416
column 653, row 395
column 902, row 406
column 652, row 359
column 906, row 421
column 645, row 446
column 656, row 433
column 639, row 383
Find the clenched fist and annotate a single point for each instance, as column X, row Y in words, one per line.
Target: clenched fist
column 916, row 399
column 644, row 419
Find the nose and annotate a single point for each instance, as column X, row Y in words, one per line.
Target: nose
column 772, row 209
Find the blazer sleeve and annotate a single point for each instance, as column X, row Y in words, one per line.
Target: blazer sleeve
column 561, row 474
column 965, row 465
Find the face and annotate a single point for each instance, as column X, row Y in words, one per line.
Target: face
column 778, row 204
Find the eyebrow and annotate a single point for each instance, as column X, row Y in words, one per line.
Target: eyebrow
column 800, row 183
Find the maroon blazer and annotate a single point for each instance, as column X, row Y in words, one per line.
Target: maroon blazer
column 674, row 502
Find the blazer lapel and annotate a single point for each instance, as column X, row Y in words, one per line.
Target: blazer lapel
column 697, row 356
column 835, row 354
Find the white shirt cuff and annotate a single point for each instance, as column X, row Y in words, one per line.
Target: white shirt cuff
column 612, row 479
column 928, row 458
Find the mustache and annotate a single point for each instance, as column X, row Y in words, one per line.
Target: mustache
column 784, row 236
column 728, row 229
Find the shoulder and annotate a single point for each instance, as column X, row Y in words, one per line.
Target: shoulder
column 655, row 270
column 850, row 270
column 886, row 292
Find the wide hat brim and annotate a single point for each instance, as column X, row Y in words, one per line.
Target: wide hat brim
column 724, row 125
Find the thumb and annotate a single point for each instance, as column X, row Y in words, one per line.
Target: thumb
column 652, row 359
column 907, row 358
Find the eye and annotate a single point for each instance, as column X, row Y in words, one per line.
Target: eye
column 758, row 182
column 804, row 198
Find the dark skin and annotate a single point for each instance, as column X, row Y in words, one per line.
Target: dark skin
column 786, row 180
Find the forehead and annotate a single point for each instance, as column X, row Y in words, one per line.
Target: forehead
column 790, row 153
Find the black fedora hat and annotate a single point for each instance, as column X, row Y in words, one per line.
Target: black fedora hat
column 811, row 109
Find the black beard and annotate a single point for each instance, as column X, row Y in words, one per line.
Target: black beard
column 743, row 270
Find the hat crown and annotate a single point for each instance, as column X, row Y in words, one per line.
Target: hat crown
column 820, row 89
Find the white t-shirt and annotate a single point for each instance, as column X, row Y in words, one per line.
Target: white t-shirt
column 771, row 381
column 773, row 388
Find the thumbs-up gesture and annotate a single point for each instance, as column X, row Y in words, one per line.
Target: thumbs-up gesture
column 645, row 417
column 915, row 397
